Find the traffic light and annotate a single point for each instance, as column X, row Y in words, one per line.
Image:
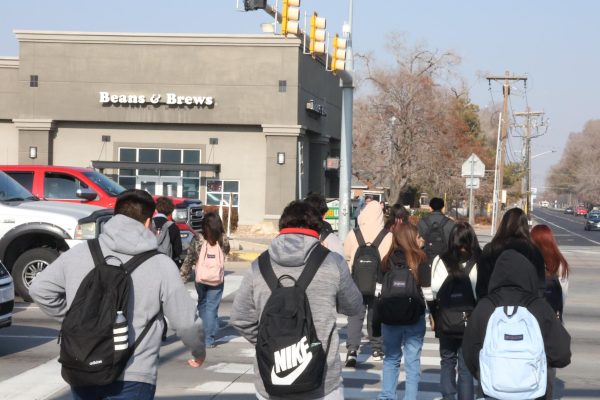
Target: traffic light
column 290, row 17
column 317, row 34
column 251, row 5
column 338, row 60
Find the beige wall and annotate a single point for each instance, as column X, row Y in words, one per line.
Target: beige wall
column 241, row 153
column 9, row 137
column 9, row 72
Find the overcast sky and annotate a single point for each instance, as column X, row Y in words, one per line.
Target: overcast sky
column 553, row 42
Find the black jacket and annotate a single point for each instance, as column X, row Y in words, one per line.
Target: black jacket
column 490, row 253
column 174, row 237
column 514, row 280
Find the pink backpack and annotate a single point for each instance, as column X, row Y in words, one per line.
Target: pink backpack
column 210, row 265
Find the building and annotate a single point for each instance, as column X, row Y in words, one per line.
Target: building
column 251, row 118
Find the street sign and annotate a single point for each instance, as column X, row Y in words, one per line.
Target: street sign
column 473, row 167
column 472, row 183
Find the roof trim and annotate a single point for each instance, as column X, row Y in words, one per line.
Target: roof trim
column 182, row 39
column 9, row 62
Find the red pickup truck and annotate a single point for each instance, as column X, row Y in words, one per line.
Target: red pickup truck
column 88, row 186
column 581, row 210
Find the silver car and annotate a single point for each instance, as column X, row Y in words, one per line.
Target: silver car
column 7, row 297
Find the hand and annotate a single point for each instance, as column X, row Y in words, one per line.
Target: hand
column 377, row 289
column 195, row 362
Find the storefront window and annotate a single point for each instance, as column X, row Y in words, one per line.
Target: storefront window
column 148, row 156
column 219, row 190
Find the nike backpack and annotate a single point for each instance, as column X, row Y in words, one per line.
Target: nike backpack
column 367, row 261
column 94, row 340
column 512, row 361
column 455, row 303
column 401, row 300
column 291, row 358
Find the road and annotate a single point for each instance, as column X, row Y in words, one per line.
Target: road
column 28, row 350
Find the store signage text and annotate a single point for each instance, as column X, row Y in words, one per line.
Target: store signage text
column 169, row 99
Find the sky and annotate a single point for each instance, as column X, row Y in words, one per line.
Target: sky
column 553, row 42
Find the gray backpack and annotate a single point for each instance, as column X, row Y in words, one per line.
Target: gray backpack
column 164, row 239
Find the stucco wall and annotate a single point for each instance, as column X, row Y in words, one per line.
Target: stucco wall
column 9, row 139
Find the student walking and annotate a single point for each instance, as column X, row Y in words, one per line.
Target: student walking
column 290, row 271
column 400, row 313
column 155, row 289
column 168, row 234
column 513, row 334
column 206, row 257
column 327, row 236
column 364, row 248
column 512, row 234
column 454, row 276
column 557, row 280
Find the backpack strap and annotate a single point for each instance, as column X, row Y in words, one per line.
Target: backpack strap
column 469, row 266
column 266, row 270
column 138, row 260
column 316, row 258
column 159, row 316
column 96, row 250
column 359, row 237
column 379, row 238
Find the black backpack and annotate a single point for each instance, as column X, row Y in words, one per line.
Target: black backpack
column 455, row 302
column 367, row 262
column 435, row 244
column 94, row 340
column 401, row 300
column 290, row 356
column 326, row 230
column 554, row 295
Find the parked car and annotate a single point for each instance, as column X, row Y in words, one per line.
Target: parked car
column 88, row 186
column 592, row 223
column 34, row 232
column 569, row 210
column 7, row 297
column 581, row 210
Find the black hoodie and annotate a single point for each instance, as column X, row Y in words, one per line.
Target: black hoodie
column 513, row 280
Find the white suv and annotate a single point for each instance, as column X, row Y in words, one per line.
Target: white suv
column 34, row 232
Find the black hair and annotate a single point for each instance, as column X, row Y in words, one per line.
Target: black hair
column 212, row 229
column 463, row 245
column 396, row 213
column 436, row 204
column 164, row 205
column 514, row 225
column 300, row 214
column 318, row 201
column 136, row 204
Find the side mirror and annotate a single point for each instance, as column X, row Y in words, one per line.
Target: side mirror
column 86, row 194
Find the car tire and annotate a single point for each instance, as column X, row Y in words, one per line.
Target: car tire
column 28, row 265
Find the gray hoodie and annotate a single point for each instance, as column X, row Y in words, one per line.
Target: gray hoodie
column 331, row 291
column 156, row 281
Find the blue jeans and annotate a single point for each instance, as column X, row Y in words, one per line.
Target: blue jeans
column 451, row 355
column 209, row 299
column 396, row 339
column 118, row 390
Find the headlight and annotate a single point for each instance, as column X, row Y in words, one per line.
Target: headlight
column 180, row 214
column 85, row 231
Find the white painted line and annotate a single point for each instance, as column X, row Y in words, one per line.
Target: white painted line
column 230, row 368
column 37, row 383
column 224, row 387
column 28, row 307
column 430, row 361
column 565, row 229
column 232, row 284
column 232, row 339
column 371, row 393
column 375, row 375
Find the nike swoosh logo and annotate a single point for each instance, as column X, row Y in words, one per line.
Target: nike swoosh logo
column 290, row 378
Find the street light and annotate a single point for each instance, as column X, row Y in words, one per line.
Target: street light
column 541, row 154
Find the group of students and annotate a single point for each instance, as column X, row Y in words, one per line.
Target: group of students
column 288, row 302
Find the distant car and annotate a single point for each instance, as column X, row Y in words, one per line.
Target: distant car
column 569, row 210
column 544, row 204
column 581, row 210
column 592, row 223
column 7, row 297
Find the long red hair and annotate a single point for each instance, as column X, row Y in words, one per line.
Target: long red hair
column 544, row 239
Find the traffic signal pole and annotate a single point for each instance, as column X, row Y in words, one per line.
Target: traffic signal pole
column 345, row 211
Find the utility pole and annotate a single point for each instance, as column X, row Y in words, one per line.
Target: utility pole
column 507, row 78
column 527, row 157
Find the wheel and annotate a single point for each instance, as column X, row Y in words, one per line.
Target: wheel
column 28, row 265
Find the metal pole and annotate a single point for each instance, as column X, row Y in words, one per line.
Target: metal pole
column 471, row 216
column 346, row 139
column 496, row 196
